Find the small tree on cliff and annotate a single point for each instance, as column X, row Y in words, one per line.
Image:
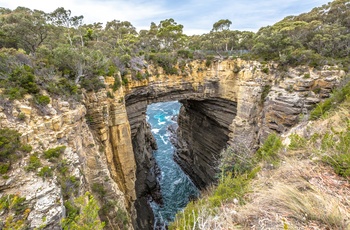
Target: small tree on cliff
column 88, row 215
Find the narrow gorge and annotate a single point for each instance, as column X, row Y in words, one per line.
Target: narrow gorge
column 231, row 102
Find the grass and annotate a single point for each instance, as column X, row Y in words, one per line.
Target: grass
column 308, row 188
column 237, row 173
column 336, row 98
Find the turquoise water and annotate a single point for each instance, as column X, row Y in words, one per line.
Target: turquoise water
column 177, row 189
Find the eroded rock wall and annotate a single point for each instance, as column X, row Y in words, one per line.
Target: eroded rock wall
column 202, row 134
column 60, row 124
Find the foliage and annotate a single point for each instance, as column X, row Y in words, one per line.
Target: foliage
column 20, row 82
column 9, row 145
column 340, row 163
column 268, row 151
column 88, row 215
column 296, row 142
column 45, row 172
column 164, row 60
column 237, row 172
column 12, row 202
column 337, row 97
column 54, row 152
column 92, row 83
column 34, row 162
column 265, row 92
column 42, row 100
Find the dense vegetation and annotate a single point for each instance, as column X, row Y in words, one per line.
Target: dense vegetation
column 55, row 51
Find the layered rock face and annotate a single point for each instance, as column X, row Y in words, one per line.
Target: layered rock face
column 147, row 186
column 202, row 134
column 108, row 141
column 63, row 124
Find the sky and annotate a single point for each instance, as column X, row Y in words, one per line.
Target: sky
column 197, row 16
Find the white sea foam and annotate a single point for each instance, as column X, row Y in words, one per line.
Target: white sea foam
column 161, row 123
column 164, row 141
column 155, row 131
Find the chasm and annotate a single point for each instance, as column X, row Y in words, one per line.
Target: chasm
column 176, row 187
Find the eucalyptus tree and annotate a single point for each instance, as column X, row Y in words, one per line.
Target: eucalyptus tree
column 24, row 28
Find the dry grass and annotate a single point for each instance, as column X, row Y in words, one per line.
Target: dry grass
column 302, row 192
column 292, row 196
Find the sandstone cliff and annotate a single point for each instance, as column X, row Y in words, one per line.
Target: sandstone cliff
column 109, row 145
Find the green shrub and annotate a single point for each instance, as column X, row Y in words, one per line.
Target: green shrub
column 139, row 76
column 4, row 167
column 337, row 97
column 92, row 83
column 110, row 95
column 34, row 163
column 99, row 189
column 231, row 187
column 9, row 143
column 209, row 60
column 42, row 100
column 21, row 117
column 117, row 84
column 54, row 153
column 26, row 148
column 13, row 202
column 265, row 70
column 306, row 76
column 297, row 142
column 88, row 215
column 71, row 210
column 269, row 150
column 45, row 172
column 340, row 163
column 187, row 54
column 265, row 92
column 14, row 93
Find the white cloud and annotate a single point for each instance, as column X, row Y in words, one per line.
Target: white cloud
column 197, row 16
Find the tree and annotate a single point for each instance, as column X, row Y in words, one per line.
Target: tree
column 62, row 17
column 170, row 34
column 88, row 216
column 25, row 27
column 221, row 25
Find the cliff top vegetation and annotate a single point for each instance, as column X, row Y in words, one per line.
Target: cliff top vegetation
column 56, row 50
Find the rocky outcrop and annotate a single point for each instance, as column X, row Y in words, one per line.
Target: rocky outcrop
column 202, row 134
column 108, row 142
column 66, row 126
column 147, row 173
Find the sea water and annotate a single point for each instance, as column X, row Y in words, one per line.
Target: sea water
column 176, row 187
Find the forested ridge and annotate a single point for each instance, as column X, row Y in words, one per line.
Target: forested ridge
column 56, row 51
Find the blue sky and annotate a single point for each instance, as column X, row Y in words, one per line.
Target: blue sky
column 197, row 16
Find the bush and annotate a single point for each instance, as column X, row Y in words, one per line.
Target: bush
column 34, row 163
column 9, row 143
column 88, row 215
column 42, row 100
column 337, row 97
column 92, row 83
column 269, row 150
column 297, row 142
column 54, row 153
column 209, row 60
column 21, row 117
column 340, row 164
column 99, row 189
column 264, row 93
column 45, row 171
column 164, row 60
column 4, row 167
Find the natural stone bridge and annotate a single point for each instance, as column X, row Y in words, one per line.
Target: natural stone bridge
column 231, row 102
